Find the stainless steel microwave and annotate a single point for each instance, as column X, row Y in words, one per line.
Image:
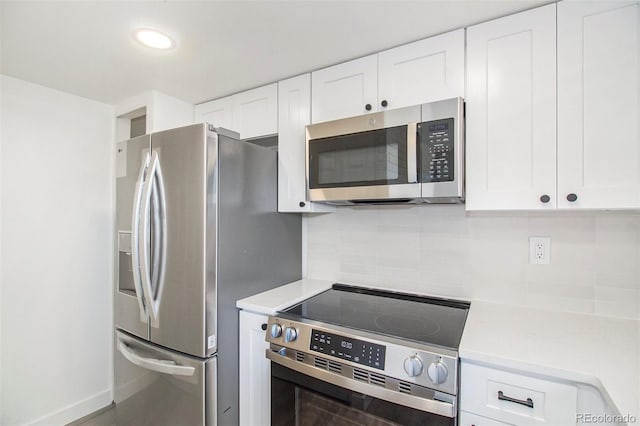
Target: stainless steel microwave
column 407, row 155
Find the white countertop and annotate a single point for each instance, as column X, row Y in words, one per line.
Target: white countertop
column 599, row 351
column 271, row 301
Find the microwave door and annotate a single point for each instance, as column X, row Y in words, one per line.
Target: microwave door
column 379, row 162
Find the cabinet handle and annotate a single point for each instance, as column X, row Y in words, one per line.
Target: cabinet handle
column 264, row 327
column 384, row 103
column 367, row 107
column 572, row 197
column 545, row 198
column 302, row 204
column 527, row 403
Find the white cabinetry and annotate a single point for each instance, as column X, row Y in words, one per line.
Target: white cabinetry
column 511, row 108
column 522, row 400
column 468, row 419
column 427, row 70
column 255, row 371
column 598, row 104
column 345, row 90
column 252, row 113
column 511, row 112
column 418, row 72
column 294, row 113
column 217, row 112
column 255, row 112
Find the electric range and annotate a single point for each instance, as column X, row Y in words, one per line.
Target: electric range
column 397, row 351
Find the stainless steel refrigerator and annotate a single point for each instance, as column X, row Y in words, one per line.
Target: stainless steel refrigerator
column 198, row 229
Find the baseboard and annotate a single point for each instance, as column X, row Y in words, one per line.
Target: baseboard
column 75, row 411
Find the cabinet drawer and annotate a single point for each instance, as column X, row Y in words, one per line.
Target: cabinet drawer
column 515, row 398
column 468, row 419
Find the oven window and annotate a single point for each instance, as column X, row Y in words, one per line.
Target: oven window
column 377, row 157
column 297, row 400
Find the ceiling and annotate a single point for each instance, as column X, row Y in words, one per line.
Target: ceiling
column 86, row 48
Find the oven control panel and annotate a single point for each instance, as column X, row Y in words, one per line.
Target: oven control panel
column 307, row 343
column 354, row 350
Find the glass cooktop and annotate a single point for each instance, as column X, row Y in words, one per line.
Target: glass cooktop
column 423, row 319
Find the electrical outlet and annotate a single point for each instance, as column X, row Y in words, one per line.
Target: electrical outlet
column 539, row 250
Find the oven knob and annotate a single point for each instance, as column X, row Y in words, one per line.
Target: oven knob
column 290, row 334
column 276, row 331
column 413, row 366
column 437, row 372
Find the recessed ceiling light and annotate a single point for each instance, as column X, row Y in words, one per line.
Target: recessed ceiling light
column 154, row 39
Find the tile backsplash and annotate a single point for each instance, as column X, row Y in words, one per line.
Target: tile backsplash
column 443, row 250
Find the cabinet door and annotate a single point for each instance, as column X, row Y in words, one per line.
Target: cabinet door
column 345, row 90
column 598, row 104
column 255, row 112
column 255, row 371
column 511, row 112
column 424, row 71
column 468, row 419
column 217, row 112
column 294, row 113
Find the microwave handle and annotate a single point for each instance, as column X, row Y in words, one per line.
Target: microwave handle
column 412, row 153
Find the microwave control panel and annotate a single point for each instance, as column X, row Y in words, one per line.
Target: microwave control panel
column 437, row 151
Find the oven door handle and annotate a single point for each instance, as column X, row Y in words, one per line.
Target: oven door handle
column 442, row 408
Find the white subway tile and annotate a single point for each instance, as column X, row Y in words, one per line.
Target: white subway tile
column 446, row 251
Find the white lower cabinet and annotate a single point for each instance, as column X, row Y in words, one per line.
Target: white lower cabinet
column 469, row 419
column 516, row 399
column 255, row 371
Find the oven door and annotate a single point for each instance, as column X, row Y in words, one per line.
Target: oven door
column 370, row 157
column 302, row 396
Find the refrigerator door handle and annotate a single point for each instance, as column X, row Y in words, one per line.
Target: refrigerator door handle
column 135, row 239
column 158, row 365
column 145, row 240
column 160, row 243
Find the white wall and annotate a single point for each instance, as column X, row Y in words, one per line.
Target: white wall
column 57, row 224
column 162, row 111
column 443, row 250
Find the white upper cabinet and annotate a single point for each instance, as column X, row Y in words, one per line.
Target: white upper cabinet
column 598, row 104
column 294, row 113
column 216, row 112
column 255, row 112
column 252, row 113
column 511, row 112
column 345, row 90
column 423, row 71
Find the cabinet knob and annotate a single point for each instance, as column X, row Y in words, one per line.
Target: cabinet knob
column 572, row 197
column 302, row 204
column 367, row 107
column 545, row 198
column 263, row 327
column 384, row 103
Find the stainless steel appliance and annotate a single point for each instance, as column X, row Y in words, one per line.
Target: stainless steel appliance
column 360, row 356
column 198, row 229
column 406, row 155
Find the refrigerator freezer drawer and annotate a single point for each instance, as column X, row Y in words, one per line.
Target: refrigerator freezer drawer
column 156, row 386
